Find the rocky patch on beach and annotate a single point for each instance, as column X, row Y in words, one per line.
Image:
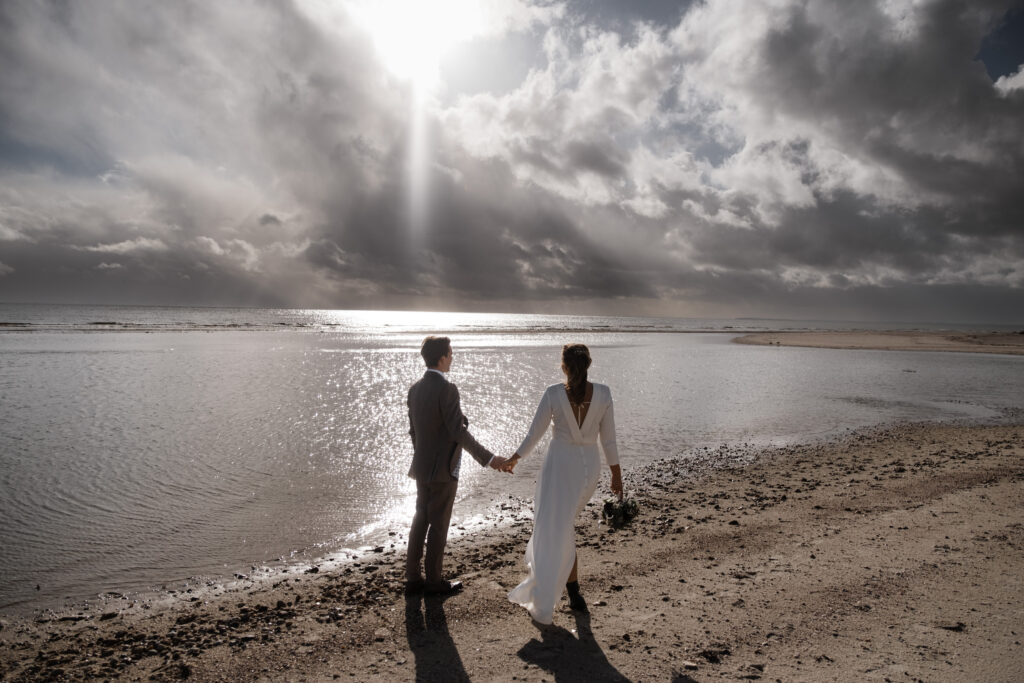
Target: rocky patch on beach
column 797, row 562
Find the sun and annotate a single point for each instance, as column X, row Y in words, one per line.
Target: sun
column 411, row 36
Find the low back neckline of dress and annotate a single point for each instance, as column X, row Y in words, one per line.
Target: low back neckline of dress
column 581, row 410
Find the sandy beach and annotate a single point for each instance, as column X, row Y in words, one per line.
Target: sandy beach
column 894, row 554
column 963, row 342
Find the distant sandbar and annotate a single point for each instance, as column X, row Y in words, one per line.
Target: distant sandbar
column 915, row 340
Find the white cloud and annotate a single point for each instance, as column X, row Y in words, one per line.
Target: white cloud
column 109, row 266
column 128, row 246
column 1009, row 83
column 247, row 254
column 5, row 269
column 210, row 245
column 9, row 234
column 244, row 253
column 573, row 127
column 289, row 250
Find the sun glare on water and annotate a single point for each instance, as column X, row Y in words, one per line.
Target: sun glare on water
column 411, row 36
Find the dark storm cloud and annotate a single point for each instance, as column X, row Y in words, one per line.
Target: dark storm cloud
column 920, row 106
column 514, row 241
column 599, row 157
column 179, row 123
column 799, row 158
column 494, row 244
column 910, row 105
column 834, row 235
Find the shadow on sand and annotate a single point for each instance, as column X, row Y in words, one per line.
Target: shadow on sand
column 567, row 657
column 437, row 659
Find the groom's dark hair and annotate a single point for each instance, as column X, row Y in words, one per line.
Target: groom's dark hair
column 434, row 349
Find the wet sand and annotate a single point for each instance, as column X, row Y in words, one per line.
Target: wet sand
column 895, row 554
column 964, row 342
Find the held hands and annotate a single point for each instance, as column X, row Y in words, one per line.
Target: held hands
column 506, row 465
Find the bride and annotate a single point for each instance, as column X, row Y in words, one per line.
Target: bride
column 581, row 412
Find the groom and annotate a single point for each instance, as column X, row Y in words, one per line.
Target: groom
column 439, row 433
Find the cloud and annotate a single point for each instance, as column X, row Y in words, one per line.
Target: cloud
column 5, row 269
column 1007, row 84
column 10, row 234
column 128, row 246
column 249, row 255
column 780, row 157
column 847, row 159
column 110, row 266
column 210, row 245
column 243, row 253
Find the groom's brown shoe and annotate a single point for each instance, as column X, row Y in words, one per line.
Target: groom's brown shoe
column 443, row 588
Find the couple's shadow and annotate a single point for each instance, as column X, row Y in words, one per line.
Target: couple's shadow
column 557, row 650
column 568, row 657
column 437, row 658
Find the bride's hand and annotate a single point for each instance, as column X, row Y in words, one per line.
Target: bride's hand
column 510, row 464
column 617, row 482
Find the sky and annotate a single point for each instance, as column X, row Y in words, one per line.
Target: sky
column 812, row 159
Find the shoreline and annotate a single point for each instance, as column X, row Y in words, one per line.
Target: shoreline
column 808, row 562
column 940, row 338
column 1011, row 343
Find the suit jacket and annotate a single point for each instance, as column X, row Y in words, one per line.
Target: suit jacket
column 439, row 431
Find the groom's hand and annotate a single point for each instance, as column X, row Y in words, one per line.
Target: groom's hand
column 511, row 464
column 498, row 463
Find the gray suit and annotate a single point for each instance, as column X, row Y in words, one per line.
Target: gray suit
column 439, row 434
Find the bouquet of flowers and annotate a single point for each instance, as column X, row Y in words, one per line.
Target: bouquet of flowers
column 617, row 513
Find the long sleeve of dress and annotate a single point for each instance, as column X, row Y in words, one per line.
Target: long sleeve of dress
column 541, row 422
column 607, row 431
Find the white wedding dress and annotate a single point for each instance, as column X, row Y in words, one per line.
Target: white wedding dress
column 567, row 480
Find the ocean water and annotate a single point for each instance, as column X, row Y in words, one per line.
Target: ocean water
column 142, row 448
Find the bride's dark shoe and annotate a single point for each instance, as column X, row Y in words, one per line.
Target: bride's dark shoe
column 576, row 601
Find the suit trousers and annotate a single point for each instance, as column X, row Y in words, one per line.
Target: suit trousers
column 434, row 502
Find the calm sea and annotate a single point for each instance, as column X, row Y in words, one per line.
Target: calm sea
column 150, row 447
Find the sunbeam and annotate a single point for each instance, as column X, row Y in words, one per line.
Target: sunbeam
column 410, row 38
